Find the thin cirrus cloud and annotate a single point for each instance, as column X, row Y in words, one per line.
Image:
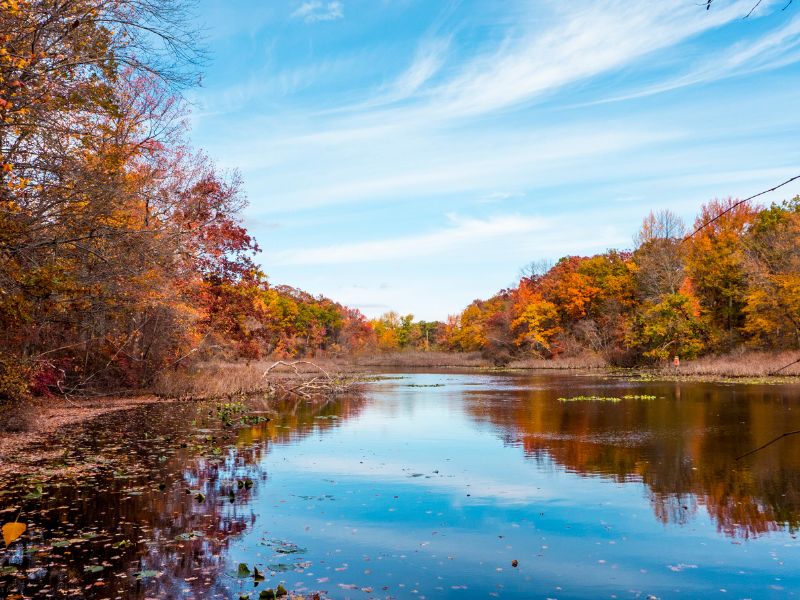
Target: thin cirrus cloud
column 771, row 51
column 572, row 48
column 460, row 233
column 428, row 60
column 531, row 62
column 407, row 166
column 316, row 10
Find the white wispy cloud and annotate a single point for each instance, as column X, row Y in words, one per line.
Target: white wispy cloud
column 405, row 164
column 316, row 10
column 459, row 233
column 550, row 47
column 771, row 51
column 577, row 43
column 428, row 60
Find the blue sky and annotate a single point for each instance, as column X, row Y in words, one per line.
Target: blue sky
column 412, row 155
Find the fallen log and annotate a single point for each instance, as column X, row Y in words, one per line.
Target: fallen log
column 306, row 385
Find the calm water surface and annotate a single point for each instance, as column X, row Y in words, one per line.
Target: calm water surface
column 426, row 486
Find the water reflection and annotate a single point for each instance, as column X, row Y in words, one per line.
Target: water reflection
column 159, row 495
column 428, row 486
column 683, row 445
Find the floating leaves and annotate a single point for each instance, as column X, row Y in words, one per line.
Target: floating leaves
column 270, row 594
column 93, row 568
column 188, row 536
column 283, row 547
column 147, row 574
column 13, row 531
column 591, row 399
column 35, row 494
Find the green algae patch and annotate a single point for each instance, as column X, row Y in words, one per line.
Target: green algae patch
column 606, row 398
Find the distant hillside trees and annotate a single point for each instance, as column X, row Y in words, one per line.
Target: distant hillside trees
column 734, row 283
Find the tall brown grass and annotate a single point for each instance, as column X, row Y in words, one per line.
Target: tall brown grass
column 417, row 359
column 221, row 378
column 739, row 364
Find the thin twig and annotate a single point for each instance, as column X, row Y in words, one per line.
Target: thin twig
column 769, row 443
column 737, row 203
column 752, row 9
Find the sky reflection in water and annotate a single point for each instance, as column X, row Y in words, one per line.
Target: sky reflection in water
column 432, row 484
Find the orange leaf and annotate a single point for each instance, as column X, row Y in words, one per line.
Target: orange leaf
column 12, row 532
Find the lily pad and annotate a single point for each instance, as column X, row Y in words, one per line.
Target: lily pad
column 147, row 574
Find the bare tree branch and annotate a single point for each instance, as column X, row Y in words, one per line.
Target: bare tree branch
column 769, row 443
column 752, row 9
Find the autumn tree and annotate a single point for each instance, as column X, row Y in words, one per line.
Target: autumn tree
column 772, row 263
column 716, row 266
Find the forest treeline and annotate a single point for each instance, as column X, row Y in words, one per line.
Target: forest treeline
column 733, row 280
column 123, row 252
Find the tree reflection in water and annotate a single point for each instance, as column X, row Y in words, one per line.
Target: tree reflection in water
column 162, row 493
column 682, row 446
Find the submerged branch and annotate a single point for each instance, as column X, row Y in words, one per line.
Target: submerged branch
column 769, row 443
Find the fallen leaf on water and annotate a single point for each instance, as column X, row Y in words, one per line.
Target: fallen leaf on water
column 13, row 531
column 147, row 574
column 93, row 568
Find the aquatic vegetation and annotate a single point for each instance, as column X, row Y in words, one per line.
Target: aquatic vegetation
column 226, row 411
column 591, row 399
column 606, row 398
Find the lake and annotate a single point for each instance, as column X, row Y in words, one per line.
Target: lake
column 426, row 485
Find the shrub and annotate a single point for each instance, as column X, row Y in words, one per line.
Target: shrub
column 14, row 380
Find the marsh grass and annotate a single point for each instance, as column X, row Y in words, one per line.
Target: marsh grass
column 418, row 359
column 738, row 364
column 221, row 379
column 436, row 359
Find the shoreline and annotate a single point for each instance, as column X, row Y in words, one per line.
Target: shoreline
column 742, row 366
column 19, row 450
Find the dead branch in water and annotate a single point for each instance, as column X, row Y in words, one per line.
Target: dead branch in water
column 320, row 384
column 769, row 443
